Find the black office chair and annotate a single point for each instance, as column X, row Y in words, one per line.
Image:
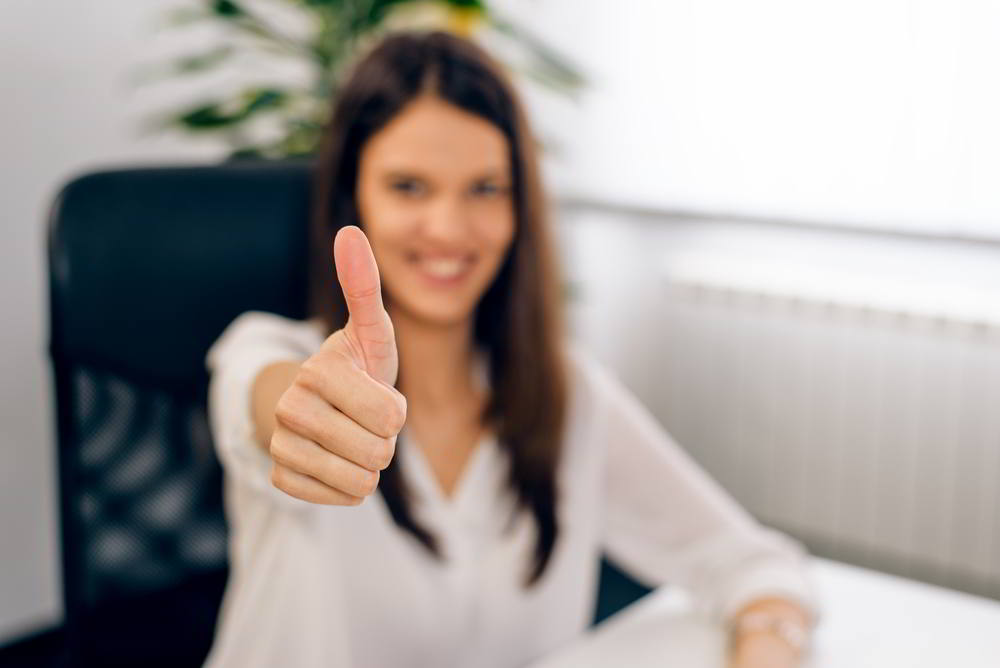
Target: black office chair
column 147, row 267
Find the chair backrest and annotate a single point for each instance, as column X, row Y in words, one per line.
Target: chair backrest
column 147, row 267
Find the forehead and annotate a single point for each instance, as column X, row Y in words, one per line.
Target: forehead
column 433, row 136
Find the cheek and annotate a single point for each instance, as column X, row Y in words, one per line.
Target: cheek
column 496, row 231
column 390, row 229
column 387, row 226
column 389, row 240
column 501, row 243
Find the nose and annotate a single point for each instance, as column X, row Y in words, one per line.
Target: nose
column 445, row 220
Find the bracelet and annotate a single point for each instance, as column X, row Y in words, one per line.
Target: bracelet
column 791, row 632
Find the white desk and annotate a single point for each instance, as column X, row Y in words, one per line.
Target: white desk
column 870, row 619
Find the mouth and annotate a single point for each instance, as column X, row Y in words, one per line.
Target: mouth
column 442, row 270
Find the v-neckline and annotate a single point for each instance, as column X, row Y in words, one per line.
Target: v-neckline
column 473, row 462
column 470, row 470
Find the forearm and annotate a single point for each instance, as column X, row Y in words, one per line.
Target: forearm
column 270, row 383
column 752, row 643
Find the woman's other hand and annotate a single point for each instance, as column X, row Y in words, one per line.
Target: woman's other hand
column 757, row 645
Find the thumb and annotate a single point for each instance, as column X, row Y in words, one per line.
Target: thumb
column 368, row 323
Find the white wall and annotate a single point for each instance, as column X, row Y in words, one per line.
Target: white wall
column 68, row 107
column 856, row 112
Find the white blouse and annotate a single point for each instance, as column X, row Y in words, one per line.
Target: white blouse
column 316, row 585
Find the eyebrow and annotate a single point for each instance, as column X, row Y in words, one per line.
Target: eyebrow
column 491, row 173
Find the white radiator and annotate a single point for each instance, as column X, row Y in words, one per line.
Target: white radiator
column 870, row 431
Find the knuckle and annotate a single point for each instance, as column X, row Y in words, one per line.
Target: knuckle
column 382, row 453
column 368, row 481
column 292, row 414
column 393, row 417
column 346, row 499
column 401, row 401
column 310, row 376
column 280, row 450
column 285, row 410
column 278, row 477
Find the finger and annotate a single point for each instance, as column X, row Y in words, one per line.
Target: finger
column 330, row 374
column 310, row 416
column 309, row 489
column 358, row 274
column 307, row 457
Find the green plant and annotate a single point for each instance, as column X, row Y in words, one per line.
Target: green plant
column 327, row 35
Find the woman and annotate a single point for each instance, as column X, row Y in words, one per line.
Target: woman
column 506, row 460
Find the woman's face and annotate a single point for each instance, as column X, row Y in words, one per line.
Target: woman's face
column 434, row 194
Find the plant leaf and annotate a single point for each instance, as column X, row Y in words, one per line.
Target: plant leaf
column 467, row 4
column 227, row 8
column 215, row 115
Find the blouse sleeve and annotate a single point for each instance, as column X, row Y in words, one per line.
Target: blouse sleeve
column 667, row 521
column 252, row 340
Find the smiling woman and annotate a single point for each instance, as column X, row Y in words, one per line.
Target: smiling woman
column 430, row 153
column 501, row 460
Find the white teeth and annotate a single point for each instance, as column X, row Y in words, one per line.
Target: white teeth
column 443, row 268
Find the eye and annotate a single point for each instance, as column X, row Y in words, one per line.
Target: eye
column 409, row 187
column 489, row 189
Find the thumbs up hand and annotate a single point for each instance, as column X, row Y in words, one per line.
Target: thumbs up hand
column 337, row 422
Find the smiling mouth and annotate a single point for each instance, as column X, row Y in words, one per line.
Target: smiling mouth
column 446, row 269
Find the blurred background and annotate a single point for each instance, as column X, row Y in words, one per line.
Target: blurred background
column 779, row 221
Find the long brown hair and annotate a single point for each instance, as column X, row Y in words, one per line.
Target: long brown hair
column 518, row 321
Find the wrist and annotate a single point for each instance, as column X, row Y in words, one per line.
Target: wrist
column 791, row 632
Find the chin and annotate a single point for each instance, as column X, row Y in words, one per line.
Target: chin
column 440, row 315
